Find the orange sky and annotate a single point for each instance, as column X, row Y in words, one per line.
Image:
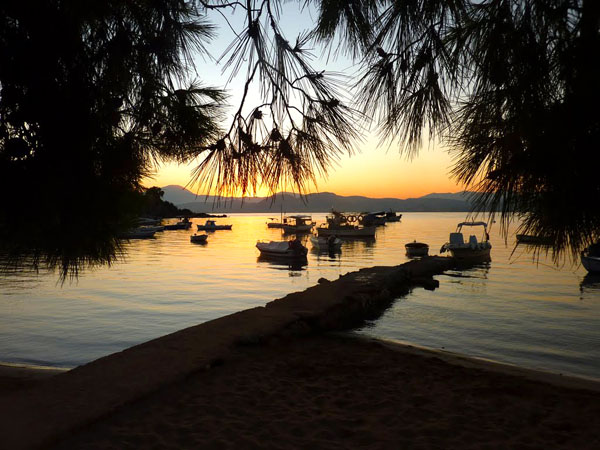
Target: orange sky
column 374, row 172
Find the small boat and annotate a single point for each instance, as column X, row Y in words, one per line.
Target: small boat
column 183, row 224
column 472, row 250
column 330, row 243
column 155, row 228
column 391, row 216
column 198, row 238
column 416, row 249
column 282, row 249
column 370, row 219
column 345, row 225
column 590, row 258
column 137, row 233
column 297, row 224
column 529, row 239
column 274, row 224
column 211, row 225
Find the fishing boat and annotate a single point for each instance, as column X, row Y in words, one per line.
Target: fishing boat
column 198, row 238
column 282, row 249
column 211, row 225
column 330, row 243
column 345, row 225
column 391, row 216
column 183, row 224
column 590, row 258
column 137, row 233
column 416, row 249
column 297, row 224
column 274, row 223
column 472, row 250
column 370, row 219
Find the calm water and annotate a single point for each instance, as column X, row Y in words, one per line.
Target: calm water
column 511, row 310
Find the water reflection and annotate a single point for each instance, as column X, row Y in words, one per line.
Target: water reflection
column 281, row 263
column 590, row 283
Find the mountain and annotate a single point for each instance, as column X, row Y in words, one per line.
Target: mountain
column 319, row 202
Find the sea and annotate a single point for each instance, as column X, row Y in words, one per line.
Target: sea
column 517, row 309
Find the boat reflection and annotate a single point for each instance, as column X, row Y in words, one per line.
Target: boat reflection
column 590, row 283
column 283, row 263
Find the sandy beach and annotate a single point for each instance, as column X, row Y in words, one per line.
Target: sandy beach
column 333, row 392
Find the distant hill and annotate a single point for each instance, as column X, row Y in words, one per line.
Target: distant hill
column 319, row 202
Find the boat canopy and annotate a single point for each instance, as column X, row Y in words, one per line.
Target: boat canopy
column 300, row 216
column 472, row 224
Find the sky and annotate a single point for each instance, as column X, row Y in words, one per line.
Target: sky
column 374, row 170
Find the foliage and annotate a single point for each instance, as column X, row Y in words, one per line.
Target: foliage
column 511, row 85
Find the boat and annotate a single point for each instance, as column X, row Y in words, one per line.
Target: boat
column 147, row 221
column 297, row 224
column 211, row 225
column 183, row 224
column 590, row 258
column 472, row 250
column 198, row 238
column 136, row 233
column 330, row 243
column 155, row 228
column 282, row 249
column 274, row 224
column 392, row 216
column 416, row 249
column 369, row 219
column 345, row 226
column 534, row 240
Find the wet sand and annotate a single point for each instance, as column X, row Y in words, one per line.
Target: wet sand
column 334, row 392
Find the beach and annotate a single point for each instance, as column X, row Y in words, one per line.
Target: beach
column 336, row 392
column 277, row 377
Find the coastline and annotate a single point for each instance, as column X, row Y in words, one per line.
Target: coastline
column 286, row 343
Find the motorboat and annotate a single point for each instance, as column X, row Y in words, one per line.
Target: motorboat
column 369, row 219
column 137, row 233
column 183, row 224
column 471, row 250
column 416, row 249
column 529, row 239
column 392, row 216
column 590, row 258
column 297, row 224
column 323, row 243
column 198, row 238
column 274, row 223
column 282, row 249
column 345, row 226
column 211, row 225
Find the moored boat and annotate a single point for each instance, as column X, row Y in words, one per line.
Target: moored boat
column 297, row 224
column 282, row 249
column 211, row 225
column 183, row 224
column 345, row 225
column 533, row 240
column 137, row 233
column 392, row 216
column 472, row 250
column 370, row 219
column 590, row 258
column 331, row 243
column 416, row 249
column 198, row 238
column 274, row 223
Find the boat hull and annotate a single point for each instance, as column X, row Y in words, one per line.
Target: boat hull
column 198, row 238
column 276, row 250
column 591, row 263
column 274, row 225
column 218, row 227
column 416, row 250
column 470, row 254
column 291, row 229
column 365, row 232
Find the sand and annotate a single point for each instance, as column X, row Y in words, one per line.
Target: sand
column 333, row 392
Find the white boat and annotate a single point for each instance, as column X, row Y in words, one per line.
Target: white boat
column 282, row 249
column 211, row 225
column 330, row 243
column 472, row 250
column 345, row 225
column 198, row 238
column 297, row 224
column 416, row 249
column 590, row 258
column 137, row 233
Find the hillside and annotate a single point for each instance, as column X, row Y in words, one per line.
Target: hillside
column 319, row 202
